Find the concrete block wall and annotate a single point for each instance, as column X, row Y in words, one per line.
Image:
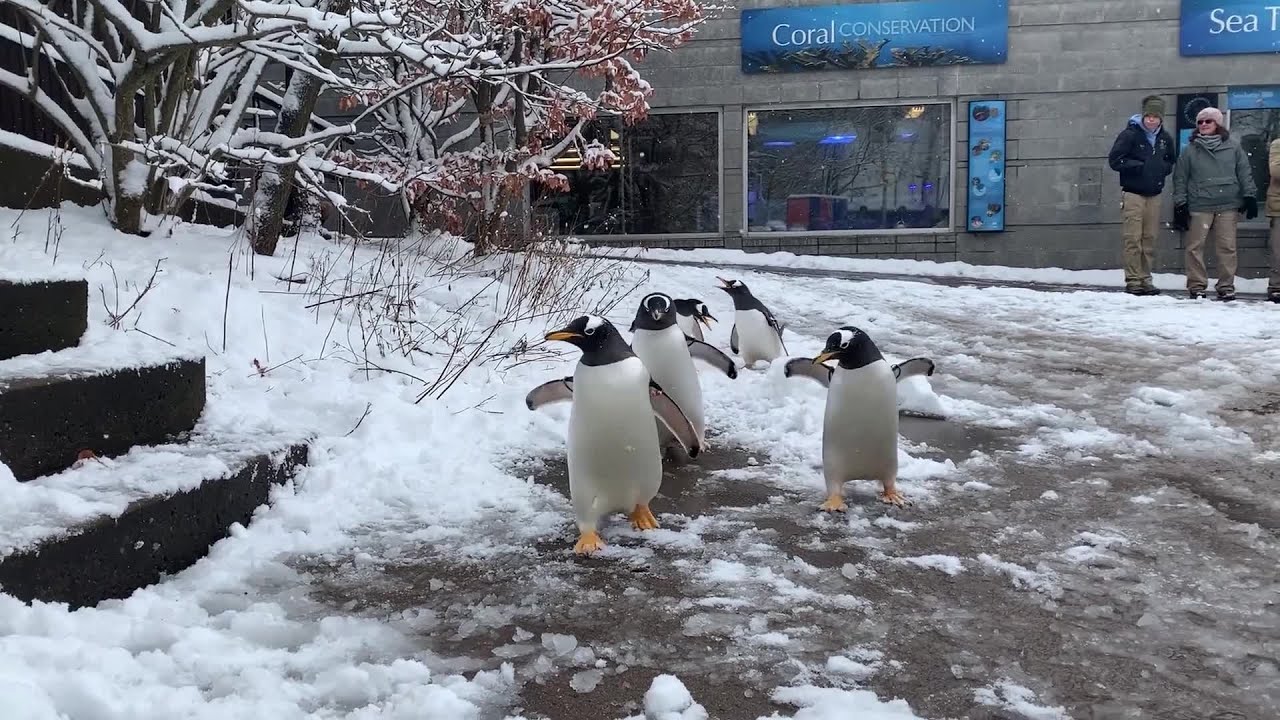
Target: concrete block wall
column 1076, row 72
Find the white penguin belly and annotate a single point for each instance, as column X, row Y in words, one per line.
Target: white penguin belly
column 613, row 439
column 860, row 425
column 757, row 340
column 666, row 355
column 689, row 326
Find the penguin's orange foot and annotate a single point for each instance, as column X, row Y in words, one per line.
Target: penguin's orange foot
column 642, row 518
column 834, row 503
column 588, row 542
column 893, row 497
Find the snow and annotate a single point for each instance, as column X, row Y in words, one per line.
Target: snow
column 238, row 635
column 1049, row 276
column 948, row 564
column 1009, row 695
column 668, row 699
column 35, row 147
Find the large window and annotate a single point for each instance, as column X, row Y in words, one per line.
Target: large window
column 1254, row 128
column 849, row 168
column 666, row 179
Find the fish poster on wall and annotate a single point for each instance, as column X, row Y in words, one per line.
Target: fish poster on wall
column 986, row 166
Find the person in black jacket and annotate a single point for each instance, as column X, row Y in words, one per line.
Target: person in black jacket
column 1143, row 154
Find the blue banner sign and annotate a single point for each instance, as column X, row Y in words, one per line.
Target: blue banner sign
column 926, row 33
column 1229, row 27
column 987, row 163
column 1254, row 98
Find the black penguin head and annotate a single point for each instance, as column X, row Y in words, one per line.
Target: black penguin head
column 657, row 311
column 696, row 309
column 599, row 340
column 852, row 347
column 735, row 288
column 742, row 297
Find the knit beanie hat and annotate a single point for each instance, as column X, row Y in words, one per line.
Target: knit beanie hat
column 1153, row 105
column 1210, row 113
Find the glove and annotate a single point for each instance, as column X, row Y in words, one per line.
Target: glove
column 1181, row 217
column 1250, row 208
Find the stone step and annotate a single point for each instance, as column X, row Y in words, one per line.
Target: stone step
column 47, row 419
column 108, row 527
column 42, row 316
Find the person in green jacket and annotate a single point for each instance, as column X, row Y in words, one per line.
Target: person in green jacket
column 1212, row 182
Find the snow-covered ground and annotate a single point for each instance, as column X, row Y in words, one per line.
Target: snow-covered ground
column 1093, row 528
column 894, row 266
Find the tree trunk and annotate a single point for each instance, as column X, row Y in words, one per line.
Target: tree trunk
column 124, row 184
column 265, row 219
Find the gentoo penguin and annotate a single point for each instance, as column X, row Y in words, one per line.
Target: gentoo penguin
column 614, row 461
column 691, row 315
column 668, row 354
column 860, row 425
column 809, row 368
column 755, row 329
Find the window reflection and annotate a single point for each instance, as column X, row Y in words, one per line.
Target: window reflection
column 666, row 180
column 1254, row 130
column 854, row 168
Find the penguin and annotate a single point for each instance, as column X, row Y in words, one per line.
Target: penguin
column 754, row 328
column 691, row 315
column 668, row 354
column 614, row 460
column 860, row 424
column 808, row 368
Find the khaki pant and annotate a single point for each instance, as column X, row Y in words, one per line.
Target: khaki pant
column 1222, row 227
column 1141, row 216
column 1273, row 284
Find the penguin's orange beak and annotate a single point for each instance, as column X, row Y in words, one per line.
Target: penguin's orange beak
column 706, row 319
column 562, row 335
column 823, row 357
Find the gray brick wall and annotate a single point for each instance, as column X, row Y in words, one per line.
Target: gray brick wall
column 1076, row 72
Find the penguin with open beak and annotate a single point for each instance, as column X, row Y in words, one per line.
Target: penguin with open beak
column 692, row 315
column 756, row 334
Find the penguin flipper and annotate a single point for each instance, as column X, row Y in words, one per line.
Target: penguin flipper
column 670, row 415
column 914, row 366
column 554, row 391
column 777, row 327
column 733, row 339
column 712, row 356
column 805, row 367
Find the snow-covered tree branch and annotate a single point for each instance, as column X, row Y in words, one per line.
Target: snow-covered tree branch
column 159, row 95
column 469, row 101
column 466, row 148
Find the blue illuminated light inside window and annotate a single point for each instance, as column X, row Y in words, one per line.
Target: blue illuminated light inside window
column 837, row 139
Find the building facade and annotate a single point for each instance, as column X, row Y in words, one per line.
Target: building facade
column 928, row 129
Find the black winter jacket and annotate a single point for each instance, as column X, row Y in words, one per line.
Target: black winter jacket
column 1142, row 168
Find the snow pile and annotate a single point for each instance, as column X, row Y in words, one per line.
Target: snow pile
column 668, row 699
column 1009, row 695
column 894, row 266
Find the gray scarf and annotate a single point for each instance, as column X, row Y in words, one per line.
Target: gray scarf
column 1209, row 142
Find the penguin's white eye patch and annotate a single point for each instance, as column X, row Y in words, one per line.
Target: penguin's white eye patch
column 844, row 344
column 589, row 331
